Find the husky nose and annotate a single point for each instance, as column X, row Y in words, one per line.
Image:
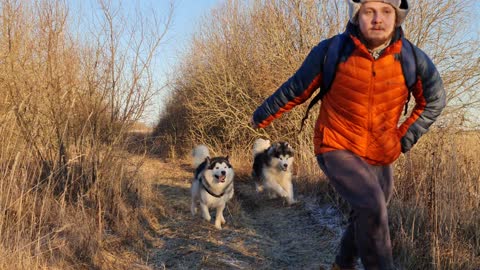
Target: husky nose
column 285, row 165
column 223, row 172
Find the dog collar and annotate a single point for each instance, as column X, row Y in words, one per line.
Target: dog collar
column 210, row 192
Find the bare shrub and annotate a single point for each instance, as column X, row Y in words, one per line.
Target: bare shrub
column 170, row 135
column 67, row 104
column 240, row 54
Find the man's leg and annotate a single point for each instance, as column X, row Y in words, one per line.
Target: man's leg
column 348, row 254
column 362, row 186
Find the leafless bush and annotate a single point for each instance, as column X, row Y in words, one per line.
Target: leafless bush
column 67, row 102
column 239, row 56
column 170, row 135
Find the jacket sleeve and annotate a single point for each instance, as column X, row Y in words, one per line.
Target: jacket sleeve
column 296, row 90
column 430, row 99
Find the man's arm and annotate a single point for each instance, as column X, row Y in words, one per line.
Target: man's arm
column 430, row 99
column 295, row 90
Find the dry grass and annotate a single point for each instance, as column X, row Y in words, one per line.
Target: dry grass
column 259, row 233
column 70, row 195
column 436, row 208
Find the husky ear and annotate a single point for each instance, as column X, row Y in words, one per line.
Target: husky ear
column 227, row 157
column 289, row 147
column 207, row 160
column 271, row 149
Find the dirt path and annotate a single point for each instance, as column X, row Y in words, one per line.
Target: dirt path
column 260, row 233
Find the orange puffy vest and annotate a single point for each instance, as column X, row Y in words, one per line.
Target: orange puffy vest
column 361, row 111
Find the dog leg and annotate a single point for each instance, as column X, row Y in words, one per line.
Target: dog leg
column 193, row 208
column 219, row 219
column 289, row 189
column 194, row 194
column 222, row 218
column 258, row 187
column 272, row 195
column 205, row 212
column 273, row 185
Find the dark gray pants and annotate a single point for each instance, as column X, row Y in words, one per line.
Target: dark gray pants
column 367, row 189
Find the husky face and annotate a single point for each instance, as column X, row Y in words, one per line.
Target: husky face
column 218, row 169
column 281, row 156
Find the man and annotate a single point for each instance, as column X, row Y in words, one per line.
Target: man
column 357, row 137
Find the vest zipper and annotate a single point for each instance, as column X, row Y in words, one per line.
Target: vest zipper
column 370, row 104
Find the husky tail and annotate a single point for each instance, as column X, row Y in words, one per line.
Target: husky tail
column 199, row 153
column 259, row 146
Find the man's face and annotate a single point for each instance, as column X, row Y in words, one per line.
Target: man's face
column 377, row 22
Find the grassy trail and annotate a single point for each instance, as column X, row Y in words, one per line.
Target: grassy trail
column 260, row 233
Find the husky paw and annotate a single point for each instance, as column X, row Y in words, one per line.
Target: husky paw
column 272, row 195
column 218, row 225
column 292, row 201
column 259, row 188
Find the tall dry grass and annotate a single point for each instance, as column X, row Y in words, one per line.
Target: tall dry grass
column 245, row 50
column 436, row 207
column 69, row 192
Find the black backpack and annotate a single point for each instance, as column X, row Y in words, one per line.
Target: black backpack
column 339, row 49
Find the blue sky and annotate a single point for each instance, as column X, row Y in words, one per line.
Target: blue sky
column 186, row 16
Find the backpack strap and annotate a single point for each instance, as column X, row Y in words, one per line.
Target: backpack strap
column 338, row 49
column 408, row 60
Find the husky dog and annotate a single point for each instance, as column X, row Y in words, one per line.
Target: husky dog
column 272, row 164
column 212, row 185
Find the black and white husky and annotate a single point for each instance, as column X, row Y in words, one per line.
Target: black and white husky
column 212, row 185
column 272, row 168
